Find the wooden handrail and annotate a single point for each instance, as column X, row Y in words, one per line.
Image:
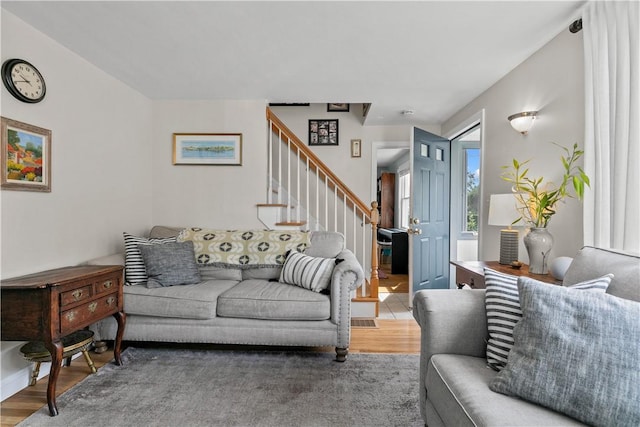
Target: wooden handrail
column 316, row 164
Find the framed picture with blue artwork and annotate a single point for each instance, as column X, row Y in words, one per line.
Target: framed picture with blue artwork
column 216, row 149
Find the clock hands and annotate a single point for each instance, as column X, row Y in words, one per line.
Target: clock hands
column 25, row 79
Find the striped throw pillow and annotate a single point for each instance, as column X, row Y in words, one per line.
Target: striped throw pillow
column 307, row 272
column 503, row 311
column 134, row 270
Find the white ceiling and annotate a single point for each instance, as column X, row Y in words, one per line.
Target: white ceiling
column 432, row 57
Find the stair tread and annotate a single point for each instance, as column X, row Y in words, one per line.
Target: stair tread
column 296, row 223
column 266, row 205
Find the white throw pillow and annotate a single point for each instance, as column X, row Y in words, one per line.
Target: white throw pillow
column 308, row 272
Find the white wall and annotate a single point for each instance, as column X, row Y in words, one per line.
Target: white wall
column 100, row 170
column 552, row 82
column 209, row 196
column 353, row 171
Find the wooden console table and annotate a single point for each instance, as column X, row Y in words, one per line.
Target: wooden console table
column 49, row 305
column 472, row 272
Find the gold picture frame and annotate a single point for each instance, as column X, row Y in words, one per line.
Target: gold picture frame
column 26, row 157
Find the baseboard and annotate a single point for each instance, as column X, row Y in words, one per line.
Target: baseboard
column 19, row 380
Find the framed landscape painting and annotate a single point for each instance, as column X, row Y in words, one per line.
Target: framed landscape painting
column 26, row 157
column 207, row 149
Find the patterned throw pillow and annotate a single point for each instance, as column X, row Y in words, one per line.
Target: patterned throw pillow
column 134, row 270
column 503, row 311
column 577, row 353
column 170, row 264
column 307, row 272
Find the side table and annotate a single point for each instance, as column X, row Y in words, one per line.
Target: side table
column 472, row 273
column 49, row 305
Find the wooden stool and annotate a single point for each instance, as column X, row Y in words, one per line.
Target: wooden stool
column 77, row 342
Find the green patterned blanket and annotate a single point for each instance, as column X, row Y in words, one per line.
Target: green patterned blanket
column 248, row 248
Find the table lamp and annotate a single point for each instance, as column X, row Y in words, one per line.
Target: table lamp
column 502, row 211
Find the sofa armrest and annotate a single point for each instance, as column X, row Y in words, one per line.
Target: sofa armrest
column 452, row 321
column 348, row 273
column 347, row 276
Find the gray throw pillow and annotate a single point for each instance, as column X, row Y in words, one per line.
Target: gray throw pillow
column 503, row 311
column 577, row 353
column 170, row 264
column 134, row 271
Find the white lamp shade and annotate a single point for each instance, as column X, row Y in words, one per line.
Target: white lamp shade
column 502, row 209
column 522, row 122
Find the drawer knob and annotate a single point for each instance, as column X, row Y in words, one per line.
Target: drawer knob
column 70, row 316
column 107, row 284
column 77, row 294
column 110, row 301
column 93, row 306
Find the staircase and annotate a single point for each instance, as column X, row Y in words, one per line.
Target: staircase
column 303, row 193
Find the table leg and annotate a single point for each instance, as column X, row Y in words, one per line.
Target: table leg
column 55, row 349
column 120, row 318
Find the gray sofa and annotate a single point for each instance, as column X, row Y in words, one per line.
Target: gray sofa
column 243, row 306
column 454, row 376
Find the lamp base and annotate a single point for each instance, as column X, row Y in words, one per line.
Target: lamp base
column 508, row 246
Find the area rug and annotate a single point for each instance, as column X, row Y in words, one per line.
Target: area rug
column 186, row 387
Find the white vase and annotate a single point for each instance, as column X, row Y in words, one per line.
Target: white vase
column 538, row 242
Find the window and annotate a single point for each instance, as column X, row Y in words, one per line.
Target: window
column 405, row 197
column 471, row 200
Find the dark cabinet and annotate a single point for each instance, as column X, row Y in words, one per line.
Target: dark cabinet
column 386, row 199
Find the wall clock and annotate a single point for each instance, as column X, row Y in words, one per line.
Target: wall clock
column 23, row 80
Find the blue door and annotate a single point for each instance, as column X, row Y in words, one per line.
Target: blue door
column 429, row 222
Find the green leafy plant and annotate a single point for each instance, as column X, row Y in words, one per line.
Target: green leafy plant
column 536, row 200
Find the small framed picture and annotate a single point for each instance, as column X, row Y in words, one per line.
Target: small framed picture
column 356, row 148
column 323, row 132
column 207, row 149
column 338, row 107
column 26, row 157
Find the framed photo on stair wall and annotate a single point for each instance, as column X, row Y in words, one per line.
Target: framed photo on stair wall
column 207, row 149
column 323, row 132
column 26, row 157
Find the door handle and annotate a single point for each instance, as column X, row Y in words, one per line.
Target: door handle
column 414, row 231
column 414, row 220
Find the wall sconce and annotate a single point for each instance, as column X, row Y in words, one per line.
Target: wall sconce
column 522, row 122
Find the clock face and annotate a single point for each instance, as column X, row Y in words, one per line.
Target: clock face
column 23, row 80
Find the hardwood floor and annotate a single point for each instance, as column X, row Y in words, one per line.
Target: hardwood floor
column 391, row 336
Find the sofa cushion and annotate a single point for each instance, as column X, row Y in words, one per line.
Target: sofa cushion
column 261, row 299
column 264, row 272
column 197, row 301
column 134, row 270
column 457, row 387
column 325, row 244
column 577, row 353
column 312, row 273
column 170, row 264
column 593, row 262
column 163, row 231
column 503, row 311
column 211, row 272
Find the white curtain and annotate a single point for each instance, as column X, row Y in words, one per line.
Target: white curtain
column 612, row 139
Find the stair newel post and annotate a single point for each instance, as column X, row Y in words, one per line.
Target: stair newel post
column 375, row 218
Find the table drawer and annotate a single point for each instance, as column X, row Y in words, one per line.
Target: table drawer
column 84, row 315
column 76, row 295
column 106, row 285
